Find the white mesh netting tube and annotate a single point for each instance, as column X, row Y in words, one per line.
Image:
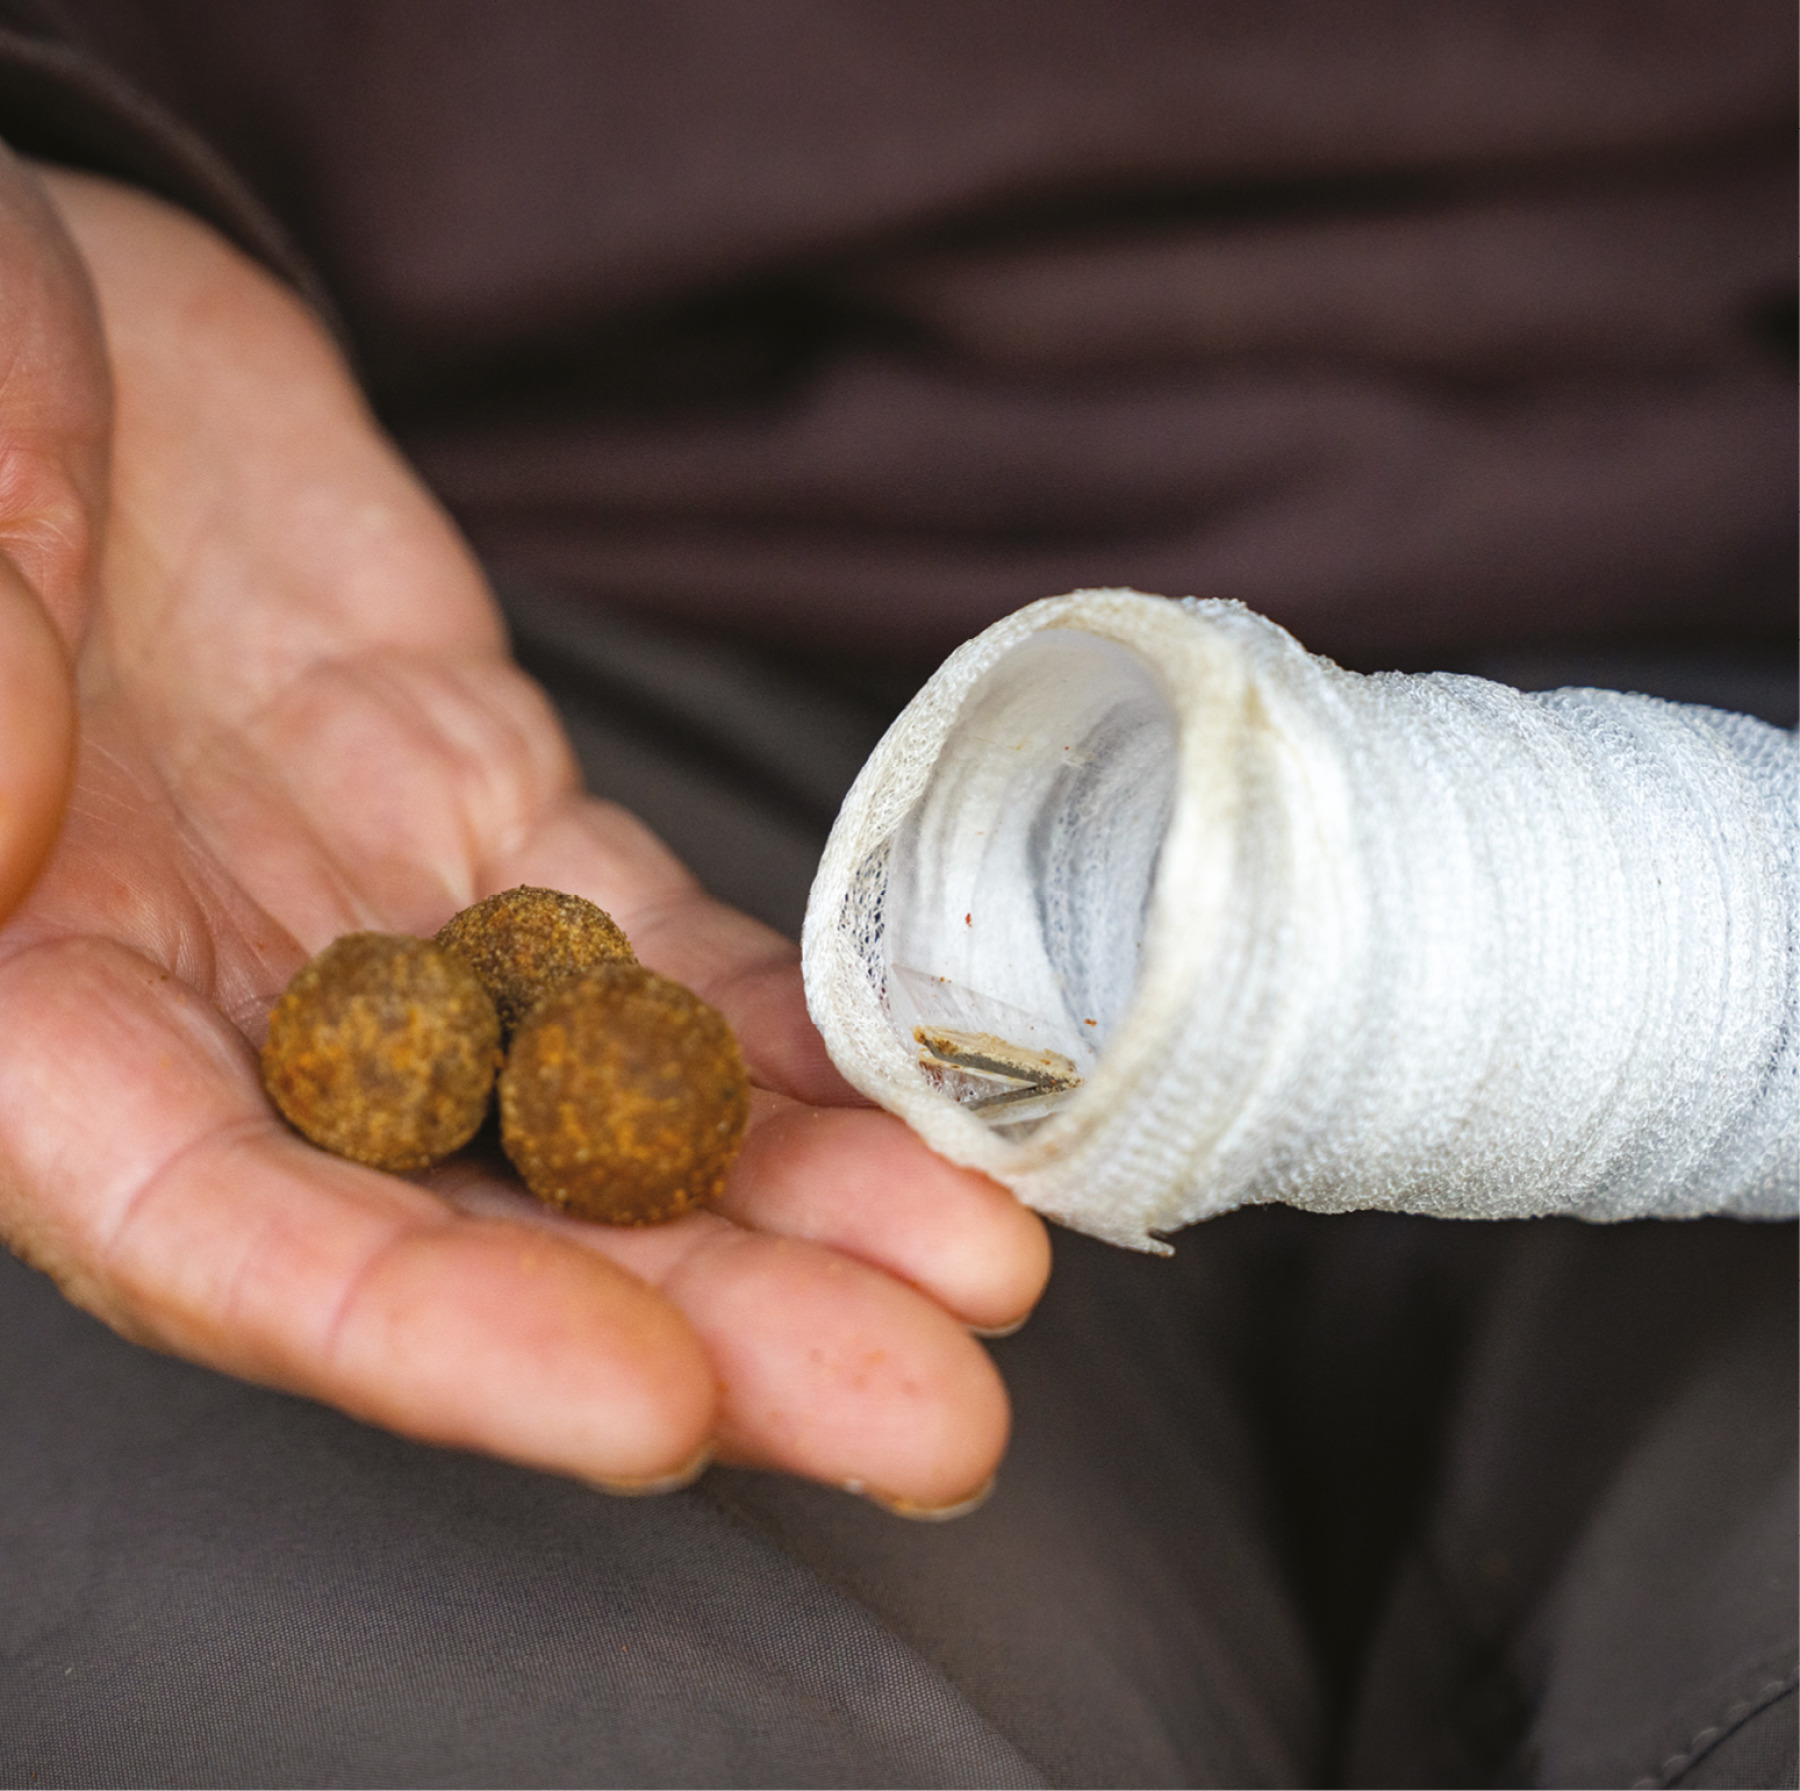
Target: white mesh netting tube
column 1413, row 942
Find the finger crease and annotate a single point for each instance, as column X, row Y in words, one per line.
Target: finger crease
column 221, row 1137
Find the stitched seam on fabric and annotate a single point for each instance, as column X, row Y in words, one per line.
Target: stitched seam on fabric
column 1704, row 1740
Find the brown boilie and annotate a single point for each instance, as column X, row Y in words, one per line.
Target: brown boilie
column 623, row 1098
column 623, row 1095
column 525, row 941
column 383, row 1049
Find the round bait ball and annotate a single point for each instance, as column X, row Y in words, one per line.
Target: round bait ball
column 624, row 1098
column 383, row 1050
column 524, row 942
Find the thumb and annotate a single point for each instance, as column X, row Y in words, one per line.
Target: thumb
column 55, row 429
column 55, row 404
column 37, row 735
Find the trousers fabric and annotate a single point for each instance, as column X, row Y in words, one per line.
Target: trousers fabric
column 1359, row 1500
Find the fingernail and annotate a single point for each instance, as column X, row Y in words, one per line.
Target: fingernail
column 928, row 1514
column 685, row 1475
column 990, row 1332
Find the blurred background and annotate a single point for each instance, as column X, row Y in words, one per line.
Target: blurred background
column 767, row 351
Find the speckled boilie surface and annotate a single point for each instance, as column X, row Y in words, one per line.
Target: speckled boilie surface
column 624, row 1098
column 525, row 941
column 383, row 1049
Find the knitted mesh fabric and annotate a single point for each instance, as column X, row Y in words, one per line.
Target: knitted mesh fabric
column 1414, row 942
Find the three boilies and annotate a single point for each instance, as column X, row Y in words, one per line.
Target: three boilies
column 623, row 1095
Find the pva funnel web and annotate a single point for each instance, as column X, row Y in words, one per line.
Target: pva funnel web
column 1148, row 913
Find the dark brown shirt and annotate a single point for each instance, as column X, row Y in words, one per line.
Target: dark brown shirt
column 1423, row 329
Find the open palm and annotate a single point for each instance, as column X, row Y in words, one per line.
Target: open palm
column 298, row 718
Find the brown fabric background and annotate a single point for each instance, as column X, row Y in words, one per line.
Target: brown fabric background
column 1424, row 329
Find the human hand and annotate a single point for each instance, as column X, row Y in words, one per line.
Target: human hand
column 298, row 719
